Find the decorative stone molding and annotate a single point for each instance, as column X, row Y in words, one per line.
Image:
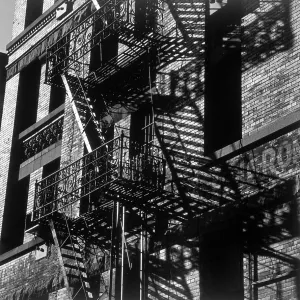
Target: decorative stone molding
column 42, row 139
column 33, row 28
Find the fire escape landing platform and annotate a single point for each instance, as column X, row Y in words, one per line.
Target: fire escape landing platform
column 146, row 47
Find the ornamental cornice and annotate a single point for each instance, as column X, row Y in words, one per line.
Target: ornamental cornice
column 34, row 27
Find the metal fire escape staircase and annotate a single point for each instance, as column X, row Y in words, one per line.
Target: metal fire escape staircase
column 70, row 258
column 108, row 173
column 136, row 183
column 190, row 18
column 83, row 111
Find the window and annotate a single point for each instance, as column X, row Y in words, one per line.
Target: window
column 14, row 215
column 141, row 129
column 33, row 10
column 104, row 51
column 57, row 97
column 51, row 167
column 28, row 94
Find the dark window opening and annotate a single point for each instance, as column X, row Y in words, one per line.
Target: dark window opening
column 14, row 216
column 105, row 49
column 57, row 97
column 28, row 94
column 51, row 167
column 141, row 130
column 34, row 9
column 223, row 114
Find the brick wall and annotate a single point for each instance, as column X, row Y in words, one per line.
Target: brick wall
column 44, row 96
column 36, row 36
column 269, row 91
column 34, row 176
column 271, row 240
column 270, row 81
column 27, row 277
column 271, row 270
column 42, row 111
column 174, row 273
column 19, row 17
column 72, row 144
column 47, row 4
column 8, row 119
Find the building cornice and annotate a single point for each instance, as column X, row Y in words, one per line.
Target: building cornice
column 39, row 48
column 33, row 28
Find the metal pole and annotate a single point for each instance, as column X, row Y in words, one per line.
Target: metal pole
column 112, row 252
column 141, row 260
column 117, row 254
column 121, row 155
column 123, row 252
column 146, row 258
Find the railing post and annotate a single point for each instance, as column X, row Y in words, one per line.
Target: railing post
column 121, row 154
column 35, row 199
column 164, row 175
column 127, row 12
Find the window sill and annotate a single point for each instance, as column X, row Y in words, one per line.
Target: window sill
column 263, row 135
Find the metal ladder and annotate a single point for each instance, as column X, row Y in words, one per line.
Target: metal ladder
column 81, row 104
column 71, row 261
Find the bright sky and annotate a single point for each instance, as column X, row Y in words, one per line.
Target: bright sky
column 6, row 19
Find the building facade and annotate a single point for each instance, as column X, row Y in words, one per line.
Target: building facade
column 3, row 62
column 149, row 150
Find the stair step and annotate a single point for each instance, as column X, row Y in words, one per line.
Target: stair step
column 70, row 248
column 81, row 268
column 72, row 257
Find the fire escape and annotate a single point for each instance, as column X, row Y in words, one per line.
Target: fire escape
column 109, row 181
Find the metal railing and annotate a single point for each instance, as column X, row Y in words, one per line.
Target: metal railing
column 110, row 163
column 72, row 51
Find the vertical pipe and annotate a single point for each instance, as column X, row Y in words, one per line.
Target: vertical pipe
column 121, row 155
column 123, row 252
column 127, row 12
column 100, row 53
column 250, row 272
column 117, row 254
column 146, row 259
column 112, row 252
column 255, row 275
column 141, row 260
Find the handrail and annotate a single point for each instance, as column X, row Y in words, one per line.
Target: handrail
column 97, row 170
column 111, row 14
